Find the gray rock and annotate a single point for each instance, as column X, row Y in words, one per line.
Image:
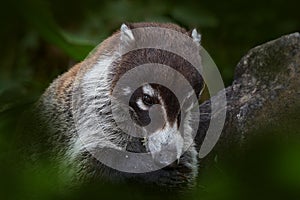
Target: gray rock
column 265, row 90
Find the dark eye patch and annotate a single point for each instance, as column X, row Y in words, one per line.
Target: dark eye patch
column 147, row 100
column 140, row 116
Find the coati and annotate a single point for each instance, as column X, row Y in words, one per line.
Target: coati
column 77, row 111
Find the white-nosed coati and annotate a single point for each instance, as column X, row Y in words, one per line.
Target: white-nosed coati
column 92, row 81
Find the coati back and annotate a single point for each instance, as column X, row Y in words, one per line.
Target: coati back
column 78, row 107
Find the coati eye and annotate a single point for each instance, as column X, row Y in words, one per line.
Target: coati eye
column 147, row 100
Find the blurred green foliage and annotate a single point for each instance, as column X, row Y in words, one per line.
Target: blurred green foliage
column 41, row 39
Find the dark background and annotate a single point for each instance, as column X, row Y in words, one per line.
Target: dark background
column 41, row 39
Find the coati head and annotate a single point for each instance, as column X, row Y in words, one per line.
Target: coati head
column 116, row 121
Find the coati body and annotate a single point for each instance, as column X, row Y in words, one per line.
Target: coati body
column 56, row 109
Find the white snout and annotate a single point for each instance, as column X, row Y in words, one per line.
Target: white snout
column 166, row 145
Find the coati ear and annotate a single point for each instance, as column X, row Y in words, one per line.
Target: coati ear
column 126, row 38
column 196, row 36
column 126, row 34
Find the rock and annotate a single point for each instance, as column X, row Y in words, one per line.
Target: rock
column 265, row 90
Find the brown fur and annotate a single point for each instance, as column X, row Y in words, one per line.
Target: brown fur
column 56, row 108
